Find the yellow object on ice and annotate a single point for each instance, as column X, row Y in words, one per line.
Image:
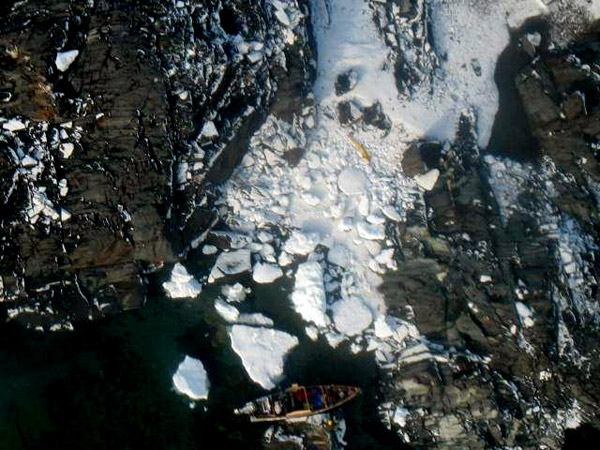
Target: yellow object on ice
column 361, row 148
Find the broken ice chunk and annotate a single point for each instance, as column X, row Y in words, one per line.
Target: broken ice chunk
column 62, row 187
column 308, row 297
column 28, row 161
column 301, row 243
column 66, row 149
column 65, row 59
column 427, row 180
column 13, row 125
column 228, row 312
column 231, row 263
column 65, row 215
column 182, row 284
column 391, row 213
column 209, row 250
column 370, row 231
column 525, row 314
column 352, row 181
column 209, row 130
column 485, row 279
column 235, row 293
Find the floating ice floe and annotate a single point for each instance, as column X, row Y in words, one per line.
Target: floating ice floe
column 182, row 284
column 266, row 273
column 228, row 312
column 262, row 351
column 64, row 59
column 351, row 316
column 231, row 263
column 308, row 297
column 191, row 379
column 235, row 293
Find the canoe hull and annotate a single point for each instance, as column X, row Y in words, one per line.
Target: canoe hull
column 298, row 402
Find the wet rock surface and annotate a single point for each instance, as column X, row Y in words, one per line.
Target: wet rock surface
column 118, row 118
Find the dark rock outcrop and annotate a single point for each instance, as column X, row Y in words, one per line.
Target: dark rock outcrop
column 125, row 115
column 500, row 274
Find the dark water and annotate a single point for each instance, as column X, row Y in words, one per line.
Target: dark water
column 108, row 384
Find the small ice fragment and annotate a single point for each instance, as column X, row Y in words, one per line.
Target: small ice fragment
column 525, row 314
column 254, row 57
column 65, row 59
column 226, row 311
column 62, row 187
column 235, row 293
column 209, row 249
column 370, row 231
column 65, row 215
column 256, row 319
column 391, row 213
column 28, row 161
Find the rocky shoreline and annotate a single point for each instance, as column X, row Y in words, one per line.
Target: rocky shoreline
column 121, row 122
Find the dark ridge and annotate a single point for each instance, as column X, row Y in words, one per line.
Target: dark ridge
column 584, row 436
column 511, row 134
